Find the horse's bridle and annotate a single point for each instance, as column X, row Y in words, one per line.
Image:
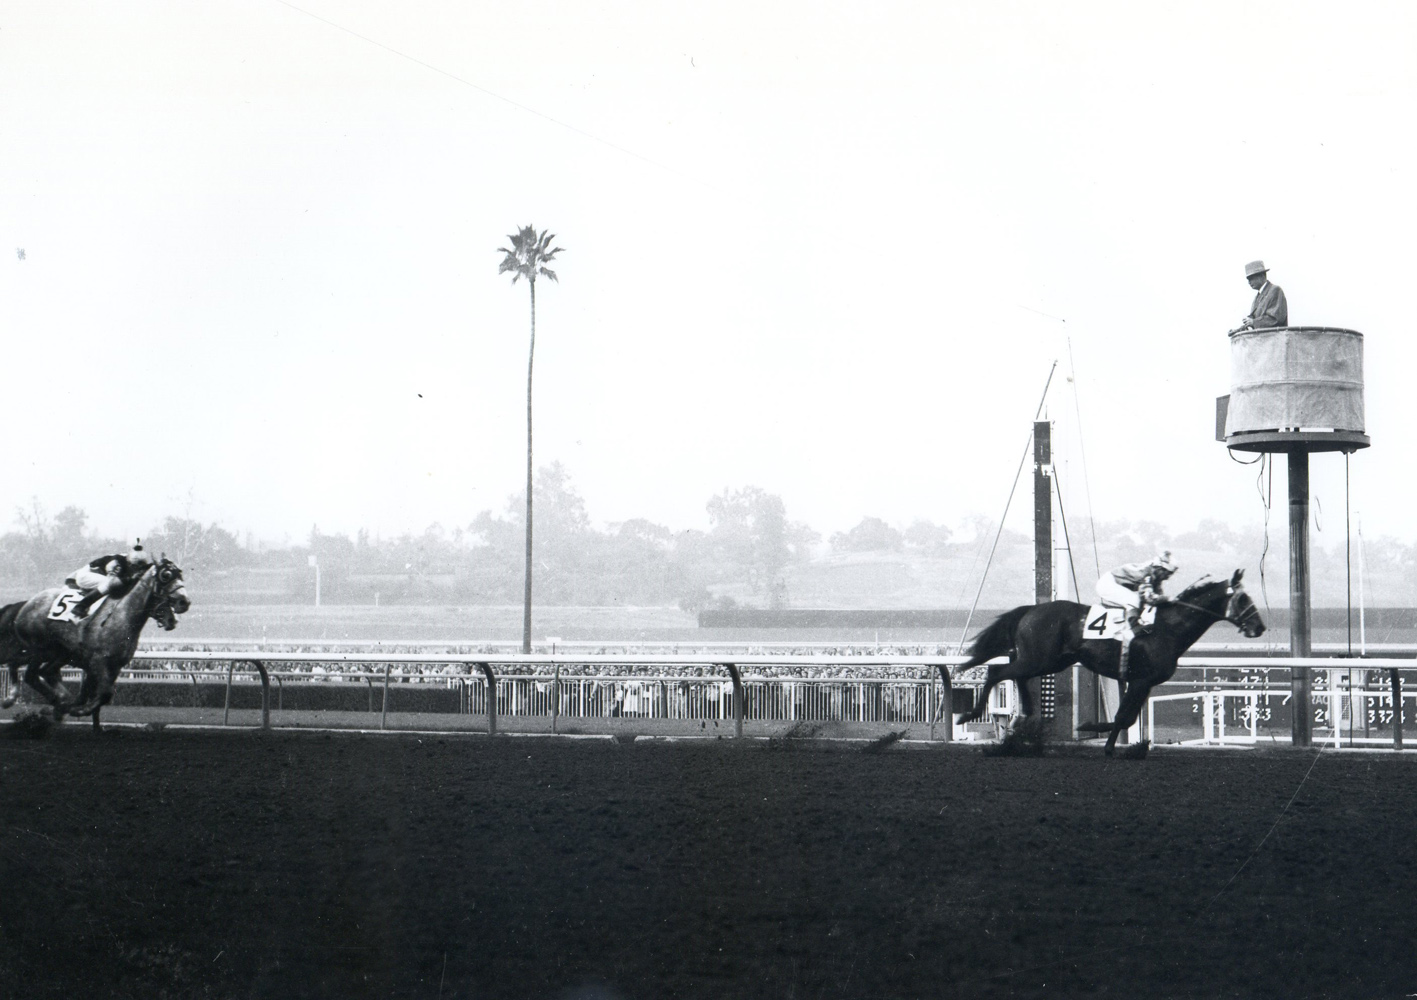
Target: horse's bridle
column 165, row 576
column 1234, row 595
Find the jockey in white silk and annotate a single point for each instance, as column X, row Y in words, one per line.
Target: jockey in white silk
column 1131, row 586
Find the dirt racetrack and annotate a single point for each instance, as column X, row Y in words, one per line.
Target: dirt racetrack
column 181, row 864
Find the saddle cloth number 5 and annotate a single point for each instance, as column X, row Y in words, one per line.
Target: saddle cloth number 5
column 63, row 607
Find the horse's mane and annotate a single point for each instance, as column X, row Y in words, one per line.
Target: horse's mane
column 131, row 582
column 1205, row 583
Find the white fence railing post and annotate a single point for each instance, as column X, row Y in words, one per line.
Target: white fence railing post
column 737, row 699
column 384, row 708
column 1396, row 681
column 491, row 698
column 226, row 713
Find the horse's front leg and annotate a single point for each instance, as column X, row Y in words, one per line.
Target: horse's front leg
column 96, row 692
column 104, row 699
column 1128, row 711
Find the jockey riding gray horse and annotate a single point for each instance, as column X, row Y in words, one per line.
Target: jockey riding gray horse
column 101, row 644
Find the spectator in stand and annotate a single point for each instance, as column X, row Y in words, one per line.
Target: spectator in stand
column 1270, row 308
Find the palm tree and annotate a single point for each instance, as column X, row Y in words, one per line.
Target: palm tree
column 527, row 259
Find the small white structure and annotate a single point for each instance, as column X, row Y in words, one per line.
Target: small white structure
column 1295, row 389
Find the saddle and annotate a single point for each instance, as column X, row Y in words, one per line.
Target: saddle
column 1103, row 622
column 64, row 607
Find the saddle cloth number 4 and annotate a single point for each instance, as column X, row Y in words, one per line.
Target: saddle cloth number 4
column 1103, row 622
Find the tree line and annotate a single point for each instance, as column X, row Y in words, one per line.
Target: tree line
column 750, row 542
column 752, row 553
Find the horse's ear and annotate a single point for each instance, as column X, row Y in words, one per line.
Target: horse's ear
column 1235, row 580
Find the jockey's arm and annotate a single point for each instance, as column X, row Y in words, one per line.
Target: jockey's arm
column 1151, row 593
column 87, row 579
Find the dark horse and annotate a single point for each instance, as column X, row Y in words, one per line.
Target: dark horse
column 14, row 655
column 101, row 644
column 1043, row 639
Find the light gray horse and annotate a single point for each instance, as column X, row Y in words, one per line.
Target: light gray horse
column 101, row 644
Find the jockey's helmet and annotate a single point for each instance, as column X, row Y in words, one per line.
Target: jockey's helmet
column 139, row 557
column 1163, row 563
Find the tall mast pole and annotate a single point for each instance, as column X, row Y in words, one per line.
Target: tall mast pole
column 1300, row 635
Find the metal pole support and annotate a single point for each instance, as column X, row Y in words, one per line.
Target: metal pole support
column 491, row 698
column 556, row 699
column 265, row 693
column 1396, row 709
column 226, row 714
column 737, row 699
column 384, row 713
column 1300, row 642
column 933, row 707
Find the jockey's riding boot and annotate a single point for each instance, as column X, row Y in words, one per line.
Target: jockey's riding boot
column 1123, row 663
column 81, row 609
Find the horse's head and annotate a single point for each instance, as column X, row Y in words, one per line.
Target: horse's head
column 1241, row 610
column 169, row 597
column 1227, row 600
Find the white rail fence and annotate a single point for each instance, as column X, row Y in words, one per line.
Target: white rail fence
column 1352, row 698
column 1346, row 709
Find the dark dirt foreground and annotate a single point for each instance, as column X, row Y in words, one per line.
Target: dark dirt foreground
column 230, row 865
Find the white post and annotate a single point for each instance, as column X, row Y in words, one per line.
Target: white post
column 1335, row 707
column 316, row 563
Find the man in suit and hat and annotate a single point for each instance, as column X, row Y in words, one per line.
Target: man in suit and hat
column 1270, row 308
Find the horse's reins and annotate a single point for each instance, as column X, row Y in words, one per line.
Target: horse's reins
column 1237, row 622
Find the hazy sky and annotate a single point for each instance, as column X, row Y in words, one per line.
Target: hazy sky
column 827, row 249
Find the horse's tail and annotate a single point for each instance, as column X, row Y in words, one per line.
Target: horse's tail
column 997, row 639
